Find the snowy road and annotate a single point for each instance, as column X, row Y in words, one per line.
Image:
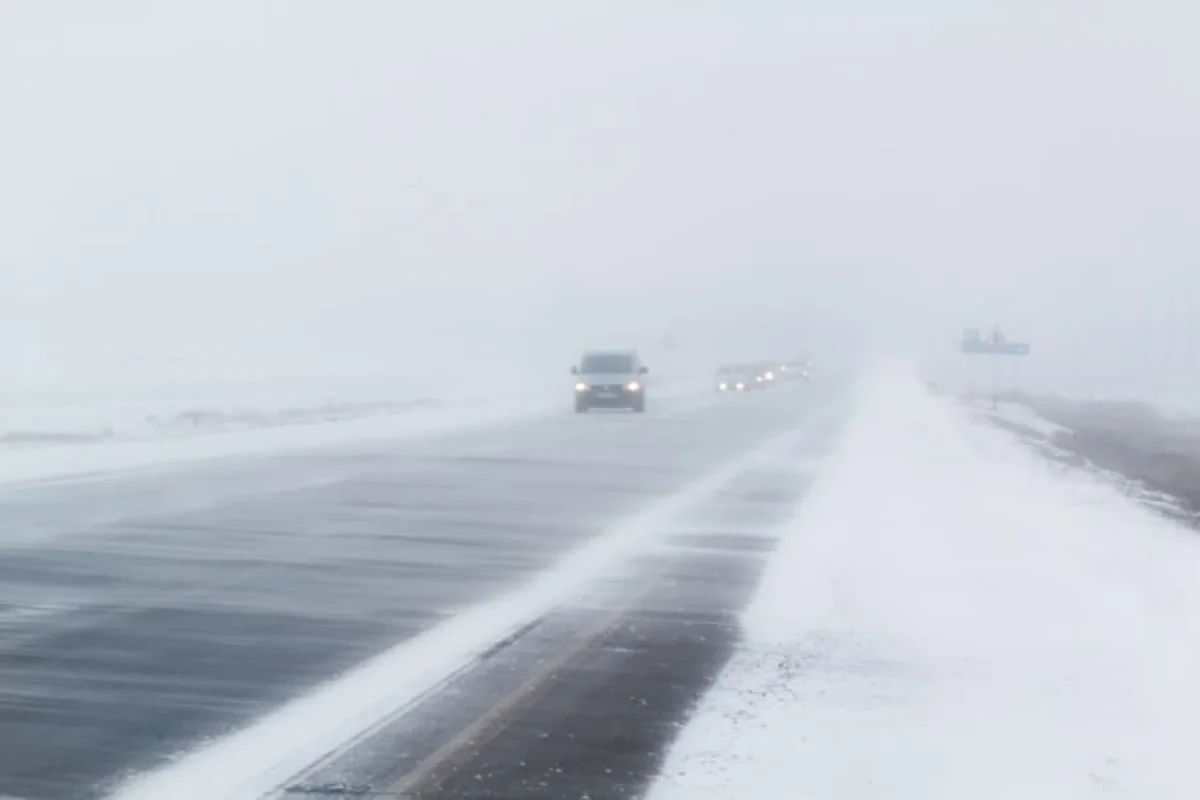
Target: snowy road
column 146, row 614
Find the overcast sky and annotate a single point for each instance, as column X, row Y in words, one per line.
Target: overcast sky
column 300, row 174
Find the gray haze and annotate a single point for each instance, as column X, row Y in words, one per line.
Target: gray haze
column 265, row 181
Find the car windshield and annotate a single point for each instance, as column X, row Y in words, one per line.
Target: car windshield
column 607, row 363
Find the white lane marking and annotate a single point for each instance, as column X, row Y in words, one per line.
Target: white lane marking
column 260, row 760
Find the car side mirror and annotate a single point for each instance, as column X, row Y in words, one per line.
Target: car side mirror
column 643, row 370
column 574, row 370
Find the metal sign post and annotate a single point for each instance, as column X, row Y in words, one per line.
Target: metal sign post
column 995, row 390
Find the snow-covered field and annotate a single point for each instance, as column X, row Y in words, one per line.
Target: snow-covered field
column 41, row 418
column 65, row 419
column 92, row 426
column 949, row 617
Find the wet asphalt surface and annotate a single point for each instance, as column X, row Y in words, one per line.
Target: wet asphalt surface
column 145, row 613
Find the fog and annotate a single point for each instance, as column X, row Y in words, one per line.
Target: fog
column 378, row 182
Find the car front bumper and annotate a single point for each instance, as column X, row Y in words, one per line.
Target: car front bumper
column 609, row 397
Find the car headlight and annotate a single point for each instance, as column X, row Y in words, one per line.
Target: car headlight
column 741, row 386
column 633, row 386
column 770, row 376
column 758, row 378
column 581, row 387
column 722, row 386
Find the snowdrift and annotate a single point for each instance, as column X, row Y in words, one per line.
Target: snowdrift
column 948, row 617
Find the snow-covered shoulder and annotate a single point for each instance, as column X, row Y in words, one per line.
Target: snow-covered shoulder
column 948, row 618
column 1023, row 416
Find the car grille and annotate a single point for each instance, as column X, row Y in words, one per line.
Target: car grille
column 608, row 387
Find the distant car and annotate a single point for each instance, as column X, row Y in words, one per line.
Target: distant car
column 739, row 378
column 767, row 372
column 796, row 370
column 610, row 379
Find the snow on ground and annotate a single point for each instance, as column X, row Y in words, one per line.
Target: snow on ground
column 950, row 618
column 1026, row 417
column 121, row 416
column 90, row 430
column 123, row 407
column 19, row 466
column 30, row 420
column 168, row 400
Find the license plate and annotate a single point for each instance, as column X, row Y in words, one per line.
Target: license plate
column 607, row 395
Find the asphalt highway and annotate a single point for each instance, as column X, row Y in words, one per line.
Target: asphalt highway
column 145, row 614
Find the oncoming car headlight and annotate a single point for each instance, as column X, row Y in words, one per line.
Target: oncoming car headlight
column 722, row 386
column 581, row 387
column 741, row 386
column 633, row 386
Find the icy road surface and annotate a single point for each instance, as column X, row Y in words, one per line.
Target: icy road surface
column 143, row 616
column 952, row 617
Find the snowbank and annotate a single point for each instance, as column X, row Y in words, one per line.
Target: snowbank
column 170, row 400
column 41, row 419
column 93, row 427
column 67, row 461
column 948, row 618
column 1023, row 416
column 122, row 418
column 165, row 399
